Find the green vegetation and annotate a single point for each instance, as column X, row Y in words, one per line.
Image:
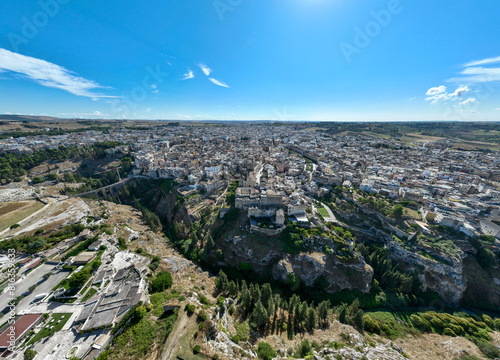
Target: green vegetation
column 265, row 351
column 483, row 132
column 488, row 349
column 33, row 244
column 382, row 205
column 389, row 277
column 122, row 243
column 92, row 181
column 292, row 240
column 231, row 193
column 82, row 246
column 89, row 294
column 398, row 211
column 242, row 330
column 444, row 245
column 323, row 212
column 79, row 279
column 161, row 282
column 141, row 332
column 29, row 354
column 15, row 166
column 351, row 314
column 57, row 131
column 305, row 349
column 260, row 307
column 485, row 258
column 52, row 322
column 489, row 239
column 155, row 262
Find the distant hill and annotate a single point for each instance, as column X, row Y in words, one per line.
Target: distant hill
column 29, row 118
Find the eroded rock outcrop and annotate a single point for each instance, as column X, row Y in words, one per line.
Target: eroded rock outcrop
column 445, row 277
column 339, row 274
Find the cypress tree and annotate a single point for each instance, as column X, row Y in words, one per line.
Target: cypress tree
column 259, row 314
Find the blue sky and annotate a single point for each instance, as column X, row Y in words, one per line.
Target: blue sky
column 339, row 60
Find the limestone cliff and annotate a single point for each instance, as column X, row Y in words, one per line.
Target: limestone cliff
column 339, row 274
column 445, row 277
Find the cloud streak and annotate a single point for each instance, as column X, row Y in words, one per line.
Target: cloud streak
column 188, row 75
column 487, row 61
column 475, row 72
column 206, row 70
column 468, row 101
column 48, row 74
column 219, row 83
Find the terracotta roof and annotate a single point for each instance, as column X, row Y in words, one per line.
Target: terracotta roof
column 21, row 325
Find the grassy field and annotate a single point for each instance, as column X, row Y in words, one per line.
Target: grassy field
column 457, row 143
column 89, row 294
column 373, row 134
column 47, row 331
column 315, row 128
column 412, row 213
column 323, row 212
column 13, row 212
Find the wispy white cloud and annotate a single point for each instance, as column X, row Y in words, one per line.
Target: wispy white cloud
column 474, row 72
column 439, row 93
column 497, row 109
column 96, row 114
column 460, row 91
column 468, row 101
column 49, row 74
column 436, row 90
column 487, row 61
column 206, row 70
column 218, row 82
column 188, row 75
column 479, row 75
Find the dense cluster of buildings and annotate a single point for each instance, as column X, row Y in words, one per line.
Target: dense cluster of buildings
column 279, row 168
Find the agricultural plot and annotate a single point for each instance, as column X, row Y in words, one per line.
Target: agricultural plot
column 13, row 212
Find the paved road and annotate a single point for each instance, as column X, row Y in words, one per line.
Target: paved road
column 34, row 277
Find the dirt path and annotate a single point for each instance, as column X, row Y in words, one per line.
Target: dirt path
column 173, row 339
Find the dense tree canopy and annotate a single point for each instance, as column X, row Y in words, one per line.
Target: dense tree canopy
column 162, row 282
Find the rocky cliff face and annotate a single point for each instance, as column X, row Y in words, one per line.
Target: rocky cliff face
column 339, row 275
column 269, row 258
column 447, row 280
